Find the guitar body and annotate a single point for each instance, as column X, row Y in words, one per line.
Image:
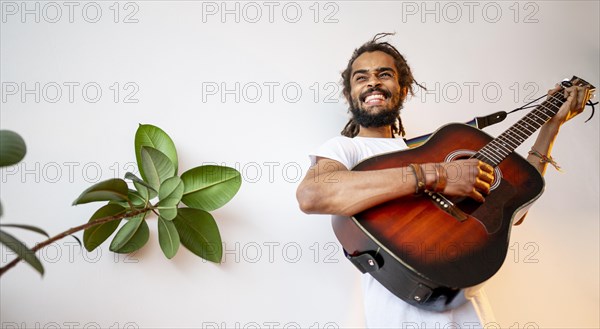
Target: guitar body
column 428, row 249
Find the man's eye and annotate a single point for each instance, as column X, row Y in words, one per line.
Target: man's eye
column 360, row 78
column 386, row 74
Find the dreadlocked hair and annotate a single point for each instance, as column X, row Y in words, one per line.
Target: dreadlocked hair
column 405, row 79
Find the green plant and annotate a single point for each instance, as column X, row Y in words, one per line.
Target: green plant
column 201, row 189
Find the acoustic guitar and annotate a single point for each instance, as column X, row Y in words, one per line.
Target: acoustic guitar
column 428, row 249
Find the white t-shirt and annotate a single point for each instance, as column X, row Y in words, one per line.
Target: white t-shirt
column 382, row 308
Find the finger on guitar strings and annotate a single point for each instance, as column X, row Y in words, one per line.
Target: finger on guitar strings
column 481, row 186
column 485, row 167
column 553, row 90
column 570, row 94
column 486, row 177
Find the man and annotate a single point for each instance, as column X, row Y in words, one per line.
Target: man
column 376, row 83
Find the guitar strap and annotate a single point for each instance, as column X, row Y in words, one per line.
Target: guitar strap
column 491, row 119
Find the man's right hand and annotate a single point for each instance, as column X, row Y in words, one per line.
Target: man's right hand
column 470, row 177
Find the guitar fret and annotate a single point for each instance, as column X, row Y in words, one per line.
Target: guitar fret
column 526, row 126
column 543, row 119
column 483, row 151
column 520, row 137
column 508, row 141
column 482, row 157
column 487, row 153
column 546, row 116
column 557, row 100
column 486, row 159
column 518, row 128
column 502, row 150
column 495, row 160
column 540, row 119
column 552, row 107
column 530, row 119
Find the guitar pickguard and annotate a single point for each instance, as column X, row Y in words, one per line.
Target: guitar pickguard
column 491, row 212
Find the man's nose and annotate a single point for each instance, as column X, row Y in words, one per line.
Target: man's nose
column 373, row 81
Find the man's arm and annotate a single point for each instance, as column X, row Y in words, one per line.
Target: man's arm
column 570, row 108
column 330, row 188
column 545, row 139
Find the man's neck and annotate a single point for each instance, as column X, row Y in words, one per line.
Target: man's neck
column 379, row 132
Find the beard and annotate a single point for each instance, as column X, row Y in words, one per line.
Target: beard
column 376, row 119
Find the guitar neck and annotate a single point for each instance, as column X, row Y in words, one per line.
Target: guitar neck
column 499, row 148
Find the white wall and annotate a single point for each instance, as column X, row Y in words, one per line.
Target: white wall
column 282, row 267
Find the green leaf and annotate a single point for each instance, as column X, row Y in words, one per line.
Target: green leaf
column 210, row 187
column 27, row 227
column 199, row 233
column 12, row 148
column 137, row 241
column 21, row 250
column 169, row 196
column 126, row 232
column 109, row 190
column 96, row 235
column 152, row 136
column 142, row 187
column 168, row 237
column 136, row 199
column 157, row 166
column 123, row 204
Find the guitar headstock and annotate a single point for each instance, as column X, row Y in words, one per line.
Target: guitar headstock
column 589, row 93
column 576, row 81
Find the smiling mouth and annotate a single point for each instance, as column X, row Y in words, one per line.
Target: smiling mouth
column 374, row 98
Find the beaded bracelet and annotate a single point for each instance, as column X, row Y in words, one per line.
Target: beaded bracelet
column 545, row 159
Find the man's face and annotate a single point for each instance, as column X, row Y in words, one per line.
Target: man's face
column 374, row 90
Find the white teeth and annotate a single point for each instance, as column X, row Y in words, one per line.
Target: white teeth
column 374, row 97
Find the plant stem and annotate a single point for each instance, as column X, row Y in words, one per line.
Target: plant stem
column 73, row 230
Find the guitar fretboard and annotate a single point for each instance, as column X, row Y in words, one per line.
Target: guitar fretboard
column 499, row 148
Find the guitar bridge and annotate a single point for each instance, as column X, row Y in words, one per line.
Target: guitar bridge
column 447, row 206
